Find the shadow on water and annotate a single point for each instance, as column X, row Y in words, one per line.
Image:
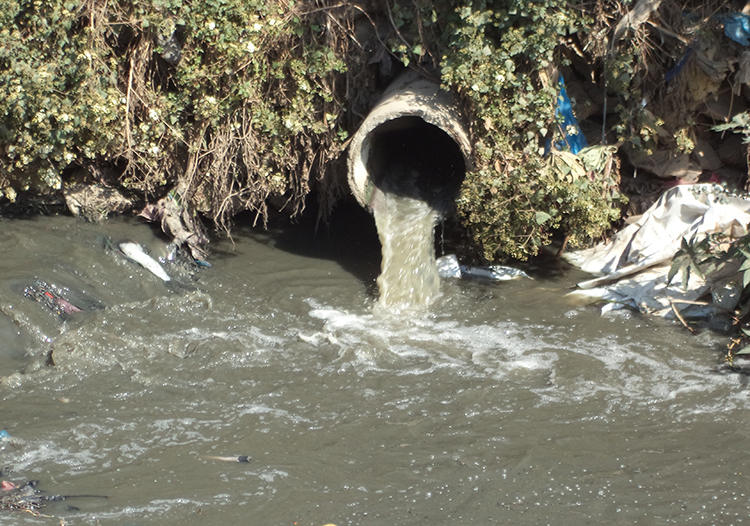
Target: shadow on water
column 349, row 237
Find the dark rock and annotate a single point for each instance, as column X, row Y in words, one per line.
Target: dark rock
column 705, row 155
column 733, row 152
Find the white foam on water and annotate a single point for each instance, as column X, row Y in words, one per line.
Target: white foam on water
column 557, row 368
column 637, row 375
column 496, row 351
column 280, row 414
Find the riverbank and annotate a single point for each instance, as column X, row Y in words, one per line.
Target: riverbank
column 221, row 114
column 189, row 117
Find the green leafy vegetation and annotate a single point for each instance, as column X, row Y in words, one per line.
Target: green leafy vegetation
column 713, row 258
column 498, row 57
column 229, row 104
column 230, row 101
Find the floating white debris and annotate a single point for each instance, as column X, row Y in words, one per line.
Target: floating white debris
column 448, row 267
column 495, row 272
column 136, row 253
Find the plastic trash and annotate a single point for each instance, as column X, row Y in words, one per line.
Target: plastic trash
column 649, row 293
column 737, row 27
column 240, row 458
column 573, row 138
column 26, row 497
column 448, row 267
column 633, row 266
column 172, row 53
column 683, row 212
column 672, row 73
column 51, row 297
column 494, row 272
column 137, row 254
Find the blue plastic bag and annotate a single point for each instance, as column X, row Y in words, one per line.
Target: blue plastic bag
column 672, row 73
column 737, row 27
column 572, row 136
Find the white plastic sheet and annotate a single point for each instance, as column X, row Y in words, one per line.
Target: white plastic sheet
column 634, row 264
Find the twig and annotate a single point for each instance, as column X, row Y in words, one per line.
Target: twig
column 668, row 32
column 127, row 107
column 679, row 317
column 704, row 304
column 604, row 104
column 325, row 8
column 562, row 247
column 346, row 30
column 393, row 23
column 375, row 28
column 689, row 302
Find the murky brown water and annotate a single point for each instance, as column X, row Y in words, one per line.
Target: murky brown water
column 505, row 404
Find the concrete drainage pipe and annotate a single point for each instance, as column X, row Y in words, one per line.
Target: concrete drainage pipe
column 414, row 143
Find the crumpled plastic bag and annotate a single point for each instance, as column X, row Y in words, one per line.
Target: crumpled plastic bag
column 448, row 267
column 177, row 221
column 648, row 292
column 572, row 137
column 737, row 27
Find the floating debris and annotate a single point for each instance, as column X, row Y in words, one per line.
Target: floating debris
column 634, row 267
column 179, row 223
column 241, row 458
column 137, row 254
column 448, row 267
column 51, row 297
column 27, row 498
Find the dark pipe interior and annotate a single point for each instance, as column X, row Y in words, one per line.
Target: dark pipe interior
column 411, row 157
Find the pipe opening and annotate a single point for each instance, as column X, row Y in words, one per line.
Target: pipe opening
column 411, row 157
column 414, row 143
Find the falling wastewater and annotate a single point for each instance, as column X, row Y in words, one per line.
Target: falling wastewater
column 408, row 277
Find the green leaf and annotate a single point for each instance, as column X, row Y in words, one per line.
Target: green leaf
column 542, row 217
column 744, row 350
column 673, row 270
column 685, row 276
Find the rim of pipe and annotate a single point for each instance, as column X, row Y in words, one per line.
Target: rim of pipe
column 409, row 95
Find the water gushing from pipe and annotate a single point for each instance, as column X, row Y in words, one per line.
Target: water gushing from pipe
column 408, row 277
